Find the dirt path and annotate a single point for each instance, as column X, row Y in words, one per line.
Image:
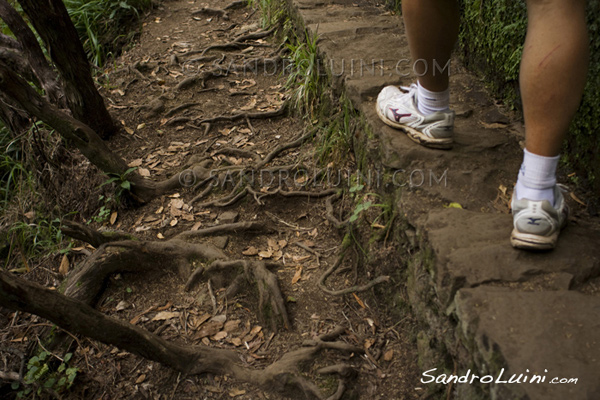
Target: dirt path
column 163, row 91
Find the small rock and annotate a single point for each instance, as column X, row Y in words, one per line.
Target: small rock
column 229, row 217
column 221, row 241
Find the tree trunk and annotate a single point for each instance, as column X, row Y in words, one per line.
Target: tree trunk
column 30, row 47
column 74, row 131
column 13, row 117
column 52, row 22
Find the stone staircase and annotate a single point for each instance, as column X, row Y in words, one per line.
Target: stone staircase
column 496, row 311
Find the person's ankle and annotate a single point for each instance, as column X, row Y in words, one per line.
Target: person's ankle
column 537, row 177
column 429, row 102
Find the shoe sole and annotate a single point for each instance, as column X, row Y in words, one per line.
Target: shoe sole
column 415, row 135
column 527, row 241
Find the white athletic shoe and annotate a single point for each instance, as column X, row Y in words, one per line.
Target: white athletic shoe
column 397, row 107
column 538, row 223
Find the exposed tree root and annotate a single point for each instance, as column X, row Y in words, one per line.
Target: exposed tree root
column 329, row 212
column 201, row 77
column 179, row 108
column 95, row 238
column 236, row 117
column 270, row 300
column 236, row 227
column 240, row 190
column 282, row 376
column 239, row 42
column 352, row 289
column 87, row 282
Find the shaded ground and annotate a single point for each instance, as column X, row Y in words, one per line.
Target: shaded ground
column 161, row 132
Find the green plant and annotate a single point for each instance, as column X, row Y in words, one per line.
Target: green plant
column 33, row 240
column 271, row 11
column 335, row 137
column 100, row 22
column 304, row 80
column 42, row 375
column 104, row 211
column 122, row 184
column 365, row 202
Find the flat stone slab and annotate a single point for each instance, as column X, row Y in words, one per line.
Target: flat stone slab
column 473, row 248
column 530, row 333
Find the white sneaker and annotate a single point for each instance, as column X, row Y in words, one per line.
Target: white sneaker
column 538, row 223
column 398, row 109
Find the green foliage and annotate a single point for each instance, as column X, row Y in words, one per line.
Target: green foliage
column 491, row 41
column 101, row 22
column 43, row 375
column 365, row 202
column 13, row 174
column 272, row 12
column 334, row 139
column 305, row 79
column 121, row 182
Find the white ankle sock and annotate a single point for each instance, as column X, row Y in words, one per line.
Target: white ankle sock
column 429, row 102
column 537, row 177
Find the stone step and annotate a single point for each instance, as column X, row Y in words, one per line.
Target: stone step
column 472, row 249
column 555, row 335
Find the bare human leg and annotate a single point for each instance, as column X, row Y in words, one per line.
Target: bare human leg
column 553, row 75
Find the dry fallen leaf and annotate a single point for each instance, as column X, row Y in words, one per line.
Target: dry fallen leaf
column 577, row 199
column 64, row 266
column 113, row 218
column 196, row 226
column 231, row 326
column 122, row 305
column 236, row 392
column 359, row 301
column 164, row 315
column 297, row 275
column 493, row 125
column 135, row 163
column 265, row 253
column 144, row 172
column 250, row 251
column 140, row 379
column 388, row 355
column 219, row 336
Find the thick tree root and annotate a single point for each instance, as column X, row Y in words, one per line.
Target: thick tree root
column 86, row 283
column 95, row 238
column 283, row 376
column 270, row 300
column 236, row 117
